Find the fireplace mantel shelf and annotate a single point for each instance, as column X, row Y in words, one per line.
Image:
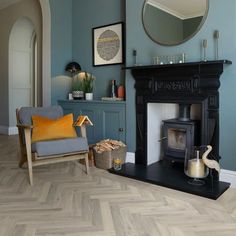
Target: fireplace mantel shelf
column 223, row 62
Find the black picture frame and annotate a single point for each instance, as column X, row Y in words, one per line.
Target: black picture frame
column 108, row 44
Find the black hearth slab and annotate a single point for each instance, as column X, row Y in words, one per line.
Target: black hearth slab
column 166, row 175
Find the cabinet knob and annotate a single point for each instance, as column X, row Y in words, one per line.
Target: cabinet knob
column 121, row 129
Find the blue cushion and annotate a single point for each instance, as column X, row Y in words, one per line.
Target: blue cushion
column 60, row 146
column 25, row 113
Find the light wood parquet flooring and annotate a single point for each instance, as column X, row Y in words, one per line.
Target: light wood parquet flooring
column 65, row 201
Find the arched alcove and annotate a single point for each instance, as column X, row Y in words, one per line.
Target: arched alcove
column 22, row 66
column 38, row 11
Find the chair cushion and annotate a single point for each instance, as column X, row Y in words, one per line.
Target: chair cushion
column 25, row 113
column 60, row 146
column 47, row 129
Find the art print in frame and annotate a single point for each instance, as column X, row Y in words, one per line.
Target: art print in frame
column 108, row 46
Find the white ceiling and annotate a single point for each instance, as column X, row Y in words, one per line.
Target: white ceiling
column 183, row 9
column 6, row 3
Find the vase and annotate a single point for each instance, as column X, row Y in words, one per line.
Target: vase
column 121, row 92
column 89, row 96
column 77, row 94
column 195, row 167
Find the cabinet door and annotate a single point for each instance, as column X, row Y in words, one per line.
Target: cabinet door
column 113, row 119
column 67, row 109
column 108, row 119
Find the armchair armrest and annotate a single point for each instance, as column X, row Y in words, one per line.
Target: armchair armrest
column 24, row 126
column 83, row 131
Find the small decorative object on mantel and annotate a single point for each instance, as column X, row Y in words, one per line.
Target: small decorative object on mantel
column 204, row 46
column 216, row 36
column 182, row 58
column 156, row 60
column 169, row 59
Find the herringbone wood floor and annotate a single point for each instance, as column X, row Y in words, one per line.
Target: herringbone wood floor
column 65, row 201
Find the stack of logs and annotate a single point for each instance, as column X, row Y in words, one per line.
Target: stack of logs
column 108, row 145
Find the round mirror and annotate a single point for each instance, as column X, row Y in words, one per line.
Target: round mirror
column 172, row 22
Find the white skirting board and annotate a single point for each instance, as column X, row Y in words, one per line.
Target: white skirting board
column 228, row 176
column 225, row 175
column 130, row 157
column 8, row 130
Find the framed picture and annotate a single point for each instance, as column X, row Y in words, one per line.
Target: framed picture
column 108, row 45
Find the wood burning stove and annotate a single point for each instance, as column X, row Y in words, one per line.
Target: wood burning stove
column 180, row 134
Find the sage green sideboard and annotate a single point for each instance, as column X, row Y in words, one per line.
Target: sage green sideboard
column 108, row 118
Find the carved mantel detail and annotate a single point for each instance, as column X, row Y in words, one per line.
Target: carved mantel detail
column 174, row 86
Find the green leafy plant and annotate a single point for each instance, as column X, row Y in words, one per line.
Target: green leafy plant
column 77, row 85
column 88, row 83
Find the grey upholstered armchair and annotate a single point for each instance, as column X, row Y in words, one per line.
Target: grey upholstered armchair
column 50, row 151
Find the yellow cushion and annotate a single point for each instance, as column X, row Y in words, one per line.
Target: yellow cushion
column 47, row 129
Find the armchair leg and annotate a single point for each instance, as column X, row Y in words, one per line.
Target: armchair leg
column 22, row 161
column 28, row 154
column 30, row 169
column 87, row 163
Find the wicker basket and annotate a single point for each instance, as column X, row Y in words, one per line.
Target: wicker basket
column 104, row 160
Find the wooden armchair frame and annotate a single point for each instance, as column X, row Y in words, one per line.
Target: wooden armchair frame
column 29, row 157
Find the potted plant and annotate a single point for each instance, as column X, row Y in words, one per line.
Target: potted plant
column 77, row 89
column 88, row 86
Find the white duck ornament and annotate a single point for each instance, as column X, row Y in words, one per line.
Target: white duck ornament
column 212, row 164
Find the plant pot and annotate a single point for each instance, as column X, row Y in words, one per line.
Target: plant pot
column 89, row 96
column 78, row 94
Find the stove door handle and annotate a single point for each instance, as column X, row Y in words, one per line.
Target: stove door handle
column 162, row 139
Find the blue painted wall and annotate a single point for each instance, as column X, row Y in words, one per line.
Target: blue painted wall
column 61, row 47
column 222, row 16
column 87, row 15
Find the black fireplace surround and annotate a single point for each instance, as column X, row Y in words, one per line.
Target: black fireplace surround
column 187, row 83
column 183, row 83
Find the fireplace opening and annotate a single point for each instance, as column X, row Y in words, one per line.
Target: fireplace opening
column 180, row 134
